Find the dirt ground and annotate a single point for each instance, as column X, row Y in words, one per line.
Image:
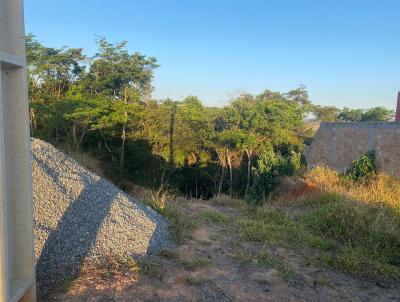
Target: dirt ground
column 214, row 266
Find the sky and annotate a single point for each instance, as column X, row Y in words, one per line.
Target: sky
column 347, row 53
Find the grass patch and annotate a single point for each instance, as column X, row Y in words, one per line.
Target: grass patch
column 318, row 199
column 243, row 257
column 351, row 226
column 148, row 267
column 213, row 217
column 287, row 272
column 195, row 263
column 367, row 234
column 195, row 281
column 265, row 258
column 276, row 227
column 182, row 226
column 223, row 200
column 169, row 254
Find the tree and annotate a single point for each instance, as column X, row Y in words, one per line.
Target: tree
column 377, row 114
column 327, row 113
column 350, row 115
column 121, row 77
column 299, row 95
column 51, row 73
column 226, row 143
column 114, row 69
column 103, row 105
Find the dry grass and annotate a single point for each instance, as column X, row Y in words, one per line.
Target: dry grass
column 86, row 160
column 223, row 200
column 156, row 199
column 354, row 226
column 382, row 189
column 165, row 202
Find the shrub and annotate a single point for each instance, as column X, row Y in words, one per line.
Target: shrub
column 271, row 167
column 363, row 168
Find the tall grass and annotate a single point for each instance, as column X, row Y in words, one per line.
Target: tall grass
column 165, row 202
column 359, row 219
column 380, row 189
column 363, row 217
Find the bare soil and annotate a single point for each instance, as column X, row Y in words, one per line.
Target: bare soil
column 216, row 265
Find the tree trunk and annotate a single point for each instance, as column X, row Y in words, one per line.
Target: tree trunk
column 228, row 160
column 171, row 135
column 249, row 154
column 56, row 135
column 105, row 143
column 221, row 179
column 221, row 157
column 123, row 137
column 74, row 139
column 81, row 138
column 32, row 120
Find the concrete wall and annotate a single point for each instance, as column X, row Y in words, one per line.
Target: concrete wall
column 17, row 276
column 336, row 145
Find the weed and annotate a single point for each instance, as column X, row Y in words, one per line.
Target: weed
column 147, row 267
column 355, row 226
column 157, row 200
column 321, row 281
column 243, row 257
column 195, row 264
column 182, row 226
column 226, row 200
column 266, row 259
column 213, row 217
column 195, row 281
column 318, row 199
column 287, row 272
column 169, row 254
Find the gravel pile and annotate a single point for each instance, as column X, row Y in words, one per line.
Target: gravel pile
column 82, row 218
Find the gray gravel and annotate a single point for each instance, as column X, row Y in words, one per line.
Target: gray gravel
column 80, row 217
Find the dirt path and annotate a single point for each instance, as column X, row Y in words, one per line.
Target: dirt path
column 217, row 265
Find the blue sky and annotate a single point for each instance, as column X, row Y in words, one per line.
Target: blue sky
column 347, row 53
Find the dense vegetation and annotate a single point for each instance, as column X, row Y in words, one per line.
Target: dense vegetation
column 102, row 105
column 352, row 225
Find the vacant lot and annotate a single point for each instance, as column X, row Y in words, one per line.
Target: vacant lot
column 230, row 252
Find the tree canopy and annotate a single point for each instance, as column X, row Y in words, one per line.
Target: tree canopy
column 103, row 105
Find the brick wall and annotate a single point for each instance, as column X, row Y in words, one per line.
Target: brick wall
column 336, row 145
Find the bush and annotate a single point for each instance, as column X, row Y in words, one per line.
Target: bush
column 363, row 168
column 271, row 167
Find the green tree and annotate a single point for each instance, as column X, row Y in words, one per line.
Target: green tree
column 377, row 114
column 51, row 73
column 299, row 95
column 327, row 113
column 114, row 69
column 350, row 115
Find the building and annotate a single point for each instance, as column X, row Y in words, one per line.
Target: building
column 337, row 145
column 17, row 273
